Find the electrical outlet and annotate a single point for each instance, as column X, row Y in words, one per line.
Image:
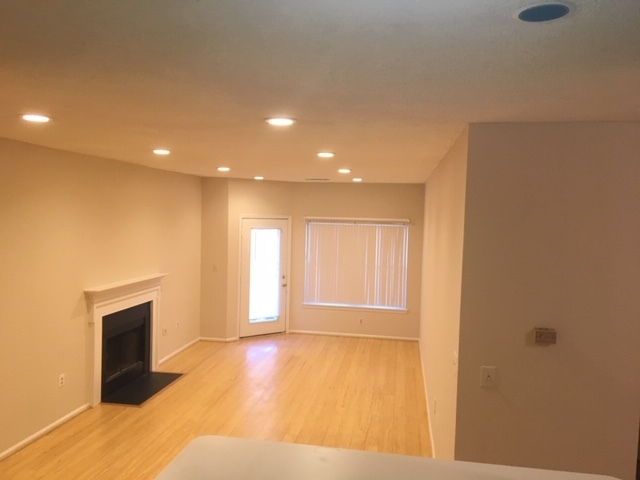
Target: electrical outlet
column 360, row 321
column 61, row 380
column 177, row 324
column 488, row 377
column 164, row 332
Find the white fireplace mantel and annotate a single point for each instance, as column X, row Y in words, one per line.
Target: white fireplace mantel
column 116, row 291
column 107, row 299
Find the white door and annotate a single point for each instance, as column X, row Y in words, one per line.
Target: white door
column 264, row 253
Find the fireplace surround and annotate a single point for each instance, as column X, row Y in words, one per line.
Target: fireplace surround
column 108, row 299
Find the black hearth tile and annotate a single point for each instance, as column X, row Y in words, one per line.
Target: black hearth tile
column 141, row 389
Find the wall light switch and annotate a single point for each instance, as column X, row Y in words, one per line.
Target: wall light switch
column 488, row 377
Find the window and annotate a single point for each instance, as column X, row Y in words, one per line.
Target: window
column 357, row 263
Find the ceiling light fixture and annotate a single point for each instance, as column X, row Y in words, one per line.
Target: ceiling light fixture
column 280, row 121
column 326, row 154
column 30, row 117
column 223, row 169
column 357, row 179
column 258, row 178
column 161, row 151
column 344, row 170
column 543, row 12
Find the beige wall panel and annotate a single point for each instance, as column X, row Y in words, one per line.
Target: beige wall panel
column 249, row 197
column 441, row 290
column 69, row 222
column 335, row 200
column 215, row 241
column 551, row 239
column 359, row 201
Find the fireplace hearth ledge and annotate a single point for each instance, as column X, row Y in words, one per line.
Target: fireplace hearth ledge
column 107, row 299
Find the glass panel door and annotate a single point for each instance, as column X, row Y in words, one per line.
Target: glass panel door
column 264, row 252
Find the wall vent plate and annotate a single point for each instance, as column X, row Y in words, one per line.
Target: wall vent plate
column 544, row 336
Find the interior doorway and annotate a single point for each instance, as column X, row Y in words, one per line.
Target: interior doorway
column 264, row 271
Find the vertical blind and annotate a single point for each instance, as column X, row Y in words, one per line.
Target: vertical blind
column 356, row 264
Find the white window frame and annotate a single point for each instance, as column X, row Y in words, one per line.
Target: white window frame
column 394, row 257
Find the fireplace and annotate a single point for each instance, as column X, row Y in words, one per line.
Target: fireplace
column 128, row 359
column 125, row 347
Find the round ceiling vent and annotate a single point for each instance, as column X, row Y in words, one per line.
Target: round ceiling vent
column 544, row 12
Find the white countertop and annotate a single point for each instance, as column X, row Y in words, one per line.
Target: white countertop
column 213, row 457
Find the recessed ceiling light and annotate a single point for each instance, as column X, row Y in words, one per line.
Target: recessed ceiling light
column 161, row 151
column 223, row 169
column 35, row 118
column 280, row 121
column 357, row 179
column 344, row 170
column 258, row 178
column 326, row 154
column 544, row 12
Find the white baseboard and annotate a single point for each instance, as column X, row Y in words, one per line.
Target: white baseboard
column 193, row 342
column 213, row 339
column 44, row 431
column 426, row 397
column 357, row 335
column 181, row 349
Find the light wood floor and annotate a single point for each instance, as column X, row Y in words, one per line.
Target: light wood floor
column 364, row 394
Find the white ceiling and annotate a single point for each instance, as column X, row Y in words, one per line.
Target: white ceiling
column 386, row 84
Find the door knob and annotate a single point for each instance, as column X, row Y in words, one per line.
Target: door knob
column 284, row 284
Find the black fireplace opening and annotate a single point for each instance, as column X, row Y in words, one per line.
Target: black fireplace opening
column 126, row 347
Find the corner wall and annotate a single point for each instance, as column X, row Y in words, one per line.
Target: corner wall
column 441, row 286
column 70, row 222
column 215, row 244
column 551, row 239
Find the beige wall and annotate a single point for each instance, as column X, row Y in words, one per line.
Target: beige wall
column 247, row 197
column 68, row 222
column 215, row 228
column 551, row 239
column 441, row 290
column 364, row 201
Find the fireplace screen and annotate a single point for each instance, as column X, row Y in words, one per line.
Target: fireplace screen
column 125, row 347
